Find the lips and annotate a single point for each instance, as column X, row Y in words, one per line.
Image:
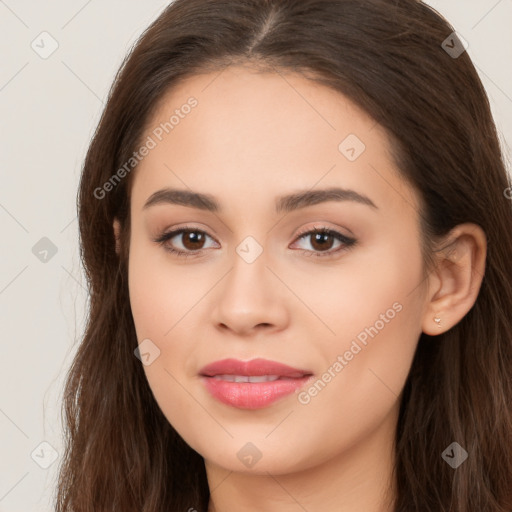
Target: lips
column 254, row 368
column 251, row 384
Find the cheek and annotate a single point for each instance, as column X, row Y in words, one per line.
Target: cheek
column 162, row 299
column 162, row 292
column 362, row 295
column 158, row 300
column 364, row 375
column 375, row 312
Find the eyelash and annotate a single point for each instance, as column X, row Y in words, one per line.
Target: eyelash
column 347, row 242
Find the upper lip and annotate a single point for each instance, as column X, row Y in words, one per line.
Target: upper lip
column 254, row 367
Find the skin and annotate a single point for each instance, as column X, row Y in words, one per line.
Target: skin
column 251, row 138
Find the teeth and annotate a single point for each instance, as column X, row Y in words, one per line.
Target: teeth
column 247, row 378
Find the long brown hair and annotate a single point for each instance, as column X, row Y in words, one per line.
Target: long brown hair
column 387, row 57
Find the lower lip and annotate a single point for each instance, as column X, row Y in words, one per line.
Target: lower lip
column 252, row 395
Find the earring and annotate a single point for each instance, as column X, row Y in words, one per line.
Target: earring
column 437, row 320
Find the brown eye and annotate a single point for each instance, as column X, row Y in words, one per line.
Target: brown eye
column 192, row 240
column 184, row 241
column 322, row 241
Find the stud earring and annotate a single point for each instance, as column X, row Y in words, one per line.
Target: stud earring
column 437, row 320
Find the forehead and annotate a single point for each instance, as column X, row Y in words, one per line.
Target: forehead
column 254, row 133
column 273, row 108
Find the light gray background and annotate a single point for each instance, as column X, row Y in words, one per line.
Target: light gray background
column 49, row 110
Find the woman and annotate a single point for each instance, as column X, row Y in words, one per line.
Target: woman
column 295, row 224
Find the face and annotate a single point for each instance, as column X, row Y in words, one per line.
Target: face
column 327, row 284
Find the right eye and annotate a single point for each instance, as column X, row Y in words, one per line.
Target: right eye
column 192, row 241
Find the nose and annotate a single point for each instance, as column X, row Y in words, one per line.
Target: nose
column 251, row 299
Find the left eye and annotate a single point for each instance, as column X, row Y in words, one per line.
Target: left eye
column 322, row 240
column 192, row 241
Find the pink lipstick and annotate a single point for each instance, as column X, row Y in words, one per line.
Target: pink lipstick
column 251, row 384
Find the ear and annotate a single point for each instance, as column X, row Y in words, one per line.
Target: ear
column 454, row 284
column 117, row 233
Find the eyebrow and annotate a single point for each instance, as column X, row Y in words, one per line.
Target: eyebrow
column 285, row 203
